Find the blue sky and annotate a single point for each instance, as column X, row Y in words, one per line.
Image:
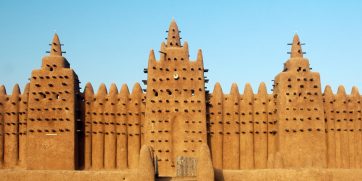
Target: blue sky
column 242, row 41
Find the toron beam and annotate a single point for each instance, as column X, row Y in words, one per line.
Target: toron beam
column 174, row 128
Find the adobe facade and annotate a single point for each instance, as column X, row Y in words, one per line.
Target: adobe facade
column 175, row 128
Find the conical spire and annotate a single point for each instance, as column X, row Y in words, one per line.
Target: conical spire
column 248, row 90
column 113, row 90
column 173, row 38
column 341, row 91
column 15, row 95
column 234, row 89
column 328, row 91
column 124, row 92
column 2, row 90
column 88, row 90
column 56, row 47
column 26, row 89
column 151, row 57
column 200, row 57
column 262, row 89
column 102, row 91
column 137, row 89
column 16, row 90
column 217, row 95
column 25, row 95
column 217, row 89
column 186, row 46
column 296, row 50
column 355, row 91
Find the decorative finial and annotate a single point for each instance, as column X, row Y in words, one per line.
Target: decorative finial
column 56, row 47
column 173, row 38
column 296, row 50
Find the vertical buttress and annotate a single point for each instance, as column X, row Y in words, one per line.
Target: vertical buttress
column 216, row 126
column 121, row 128
column 247, row 129
column 98, row 128
column 110, row 128
column 23, row 117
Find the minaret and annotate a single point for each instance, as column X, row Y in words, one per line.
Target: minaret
column 56, row 47
column 300, row 112
column 175, row 101
column 296, row 50
column 54, row 124
column 173, row 38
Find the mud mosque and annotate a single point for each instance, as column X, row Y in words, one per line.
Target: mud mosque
column 177, row 130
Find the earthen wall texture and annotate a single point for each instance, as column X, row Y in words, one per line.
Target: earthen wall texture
column 175, row 128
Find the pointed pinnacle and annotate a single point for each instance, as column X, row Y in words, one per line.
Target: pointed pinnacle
column 124, row 92
column 234, row 89
column 56, row 49
column 151, row 57
column 26, row 89
column 16, row 90
column 137, row 89
column 248, row 94
column 217, row 88
column 355, row 91
column 25, row 94
column 2, row 90
column 15, row 94
column 262, row 89
column 248, row 90
column 173, row 38
column 199, row 56
column 296, row 50
column 113, row 90
column 102, row 91
column 328, row 90
column 88, row 90
column 217, row 93
column 341, row 91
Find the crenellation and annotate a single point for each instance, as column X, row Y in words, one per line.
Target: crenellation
column 121, row 128
column 216, row 126
column 353, row 126
column 231, row 129
column 98, row 128
column 328, row 100
column 272, row 142
column 23, row 118
column 3, row 100
column 260, row 127
column 342, row 150
column 247, row 128
column 357, row 119
column 11, row 127
column 142, row 117
column 134, row 126
column 88, row 122
column 174, row 128
column 110, row 109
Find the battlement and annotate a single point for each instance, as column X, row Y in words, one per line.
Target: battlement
column 175, row 127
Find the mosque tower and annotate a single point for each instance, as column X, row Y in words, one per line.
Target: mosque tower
column 175, row 115
column 54, row 124
column 300, row 113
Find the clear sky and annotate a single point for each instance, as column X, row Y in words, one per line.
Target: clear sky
column 242, row 41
